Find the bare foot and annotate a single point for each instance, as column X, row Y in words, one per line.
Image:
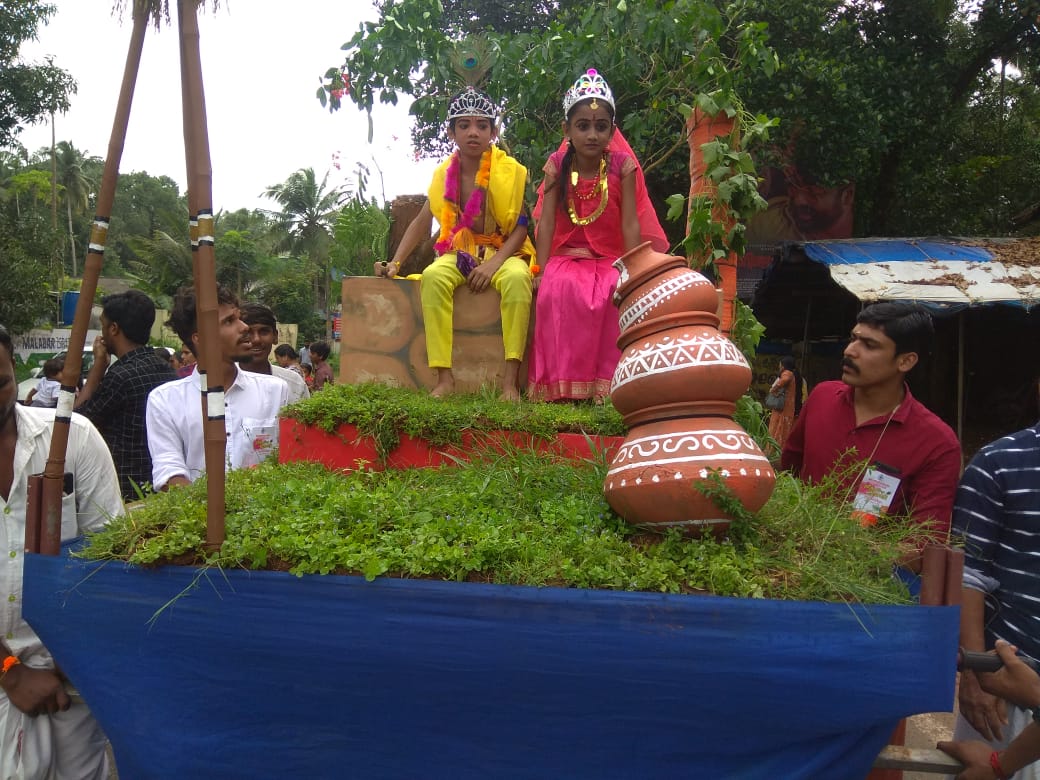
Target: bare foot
column 510, row 381
column 442, row 389
column 445, row 383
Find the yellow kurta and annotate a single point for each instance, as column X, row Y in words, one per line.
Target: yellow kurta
column 502, row 209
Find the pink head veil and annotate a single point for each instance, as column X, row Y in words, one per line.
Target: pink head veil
column 649, row 226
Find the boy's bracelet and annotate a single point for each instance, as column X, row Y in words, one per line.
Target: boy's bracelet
column 998, row 770
column 10, row 661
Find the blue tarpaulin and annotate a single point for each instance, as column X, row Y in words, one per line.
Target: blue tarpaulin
column 947, row 276
column 209, row 674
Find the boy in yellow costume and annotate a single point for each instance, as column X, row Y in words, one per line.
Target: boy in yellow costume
column 477, row 196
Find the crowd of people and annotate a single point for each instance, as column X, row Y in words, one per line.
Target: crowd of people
column 139, row 425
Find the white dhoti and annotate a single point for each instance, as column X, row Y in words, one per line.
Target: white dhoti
column 64, row 746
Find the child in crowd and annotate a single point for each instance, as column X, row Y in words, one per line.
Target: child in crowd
column 46, row 391
column 592, row 208
column 477, row 196
column 287, row 357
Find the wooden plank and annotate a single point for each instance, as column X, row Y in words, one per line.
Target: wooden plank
column 917, row 760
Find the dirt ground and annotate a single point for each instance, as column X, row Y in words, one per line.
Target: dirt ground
column 923, row 731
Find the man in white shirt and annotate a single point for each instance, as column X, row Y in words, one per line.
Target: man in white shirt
column 174, row 411
column 263, row 329
column 43, row 733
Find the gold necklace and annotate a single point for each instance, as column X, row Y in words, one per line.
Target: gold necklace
column 601, row 188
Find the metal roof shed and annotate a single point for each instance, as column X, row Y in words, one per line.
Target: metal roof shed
column 813, row 289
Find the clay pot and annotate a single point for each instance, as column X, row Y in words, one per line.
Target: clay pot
column 677, row 359
column 642, row 263
column 652, row 479
column 653, row 284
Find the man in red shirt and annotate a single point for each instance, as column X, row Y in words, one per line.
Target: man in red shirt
column 870, row 428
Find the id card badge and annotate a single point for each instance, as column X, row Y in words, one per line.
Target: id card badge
column 876, row 492
column 262, row 438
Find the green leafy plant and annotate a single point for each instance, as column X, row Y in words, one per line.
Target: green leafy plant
column 385, row 413
column 520, row 518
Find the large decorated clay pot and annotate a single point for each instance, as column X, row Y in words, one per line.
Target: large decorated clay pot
column 652, row 481
column 653, row 284
column 677, row 358
column 676, row 385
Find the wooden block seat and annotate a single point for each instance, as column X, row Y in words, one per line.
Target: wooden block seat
column 383, row 340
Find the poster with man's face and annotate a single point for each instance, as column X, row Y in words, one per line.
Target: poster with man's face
column 799, row 210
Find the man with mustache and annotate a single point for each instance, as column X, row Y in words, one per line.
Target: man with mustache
column 893, row 454
column 251, row 401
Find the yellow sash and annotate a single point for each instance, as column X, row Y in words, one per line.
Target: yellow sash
column 505, row 203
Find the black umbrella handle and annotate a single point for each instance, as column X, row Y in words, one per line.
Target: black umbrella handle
column 986, row 662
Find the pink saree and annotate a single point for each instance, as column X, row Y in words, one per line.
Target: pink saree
column 575, row 350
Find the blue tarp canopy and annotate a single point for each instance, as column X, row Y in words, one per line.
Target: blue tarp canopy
column 210, row 674
column 944, row 275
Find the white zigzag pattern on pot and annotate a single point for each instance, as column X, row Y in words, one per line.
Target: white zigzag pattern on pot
column 642, row 306
column 674, row 354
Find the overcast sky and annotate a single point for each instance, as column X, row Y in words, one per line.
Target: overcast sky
column 261, row 63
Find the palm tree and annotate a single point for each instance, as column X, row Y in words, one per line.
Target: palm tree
column 11, row 162
column 306, row 222
column 164, row 264
column 76, row 187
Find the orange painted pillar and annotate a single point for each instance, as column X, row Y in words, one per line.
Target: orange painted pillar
column 702, row 129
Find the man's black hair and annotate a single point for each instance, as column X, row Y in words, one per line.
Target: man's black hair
column 183, row 319
column 258, row 314
column 6, row 343
column 909, row 325
column 321, row 349
column 133, row 312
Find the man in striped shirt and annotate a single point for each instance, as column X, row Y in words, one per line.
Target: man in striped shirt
column 997, row 514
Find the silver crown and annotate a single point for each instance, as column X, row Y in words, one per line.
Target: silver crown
column 589, row 85
column 471, row 102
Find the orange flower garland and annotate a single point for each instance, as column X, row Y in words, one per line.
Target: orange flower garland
column 475, row 204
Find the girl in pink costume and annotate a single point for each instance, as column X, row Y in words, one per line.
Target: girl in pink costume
column 592, row 208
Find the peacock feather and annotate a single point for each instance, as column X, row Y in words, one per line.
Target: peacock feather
column 472, row 59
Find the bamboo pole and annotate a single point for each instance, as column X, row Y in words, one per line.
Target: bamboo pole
column 200, row 207
column 49, row 524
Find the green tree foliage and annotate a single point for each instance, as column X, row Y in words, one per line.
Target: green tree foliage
column 161, row 263
column 900, row 97
column 360, row 236
column 23, row 289
column 897, row 96
column 288, row 290
column 143, row 205
column 77, row 186
column 304, row 223
column 659, row 58
column 29, row 93
column 238, row 259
